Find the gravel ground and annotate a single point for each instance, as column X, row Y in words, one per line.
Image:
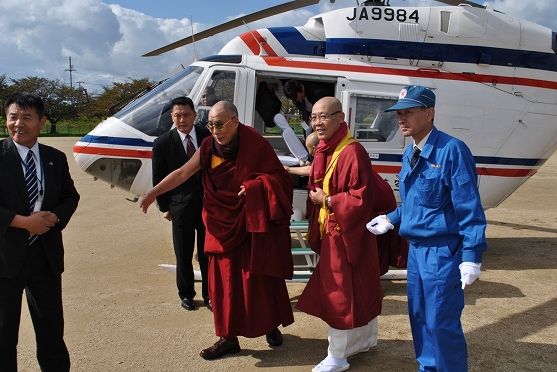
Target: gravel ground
column 123, row 314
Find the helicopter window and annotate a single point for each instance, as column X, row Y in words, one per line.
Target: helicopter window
column 371, row 123
column 445, row 21
column 150, row 113
column 220, row 87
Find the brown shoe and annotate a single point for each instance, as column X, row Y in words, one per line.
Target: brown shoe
column 221, row 347
column 274, row 338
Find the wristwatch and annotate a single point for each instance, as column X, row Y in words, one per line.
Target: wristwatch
column 328, row 201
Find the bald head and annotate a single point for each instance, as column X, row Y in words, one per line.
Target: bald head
column 311, row 143
column 327, row 117
column 224, row 107
column 330, row 103
column 223, row 118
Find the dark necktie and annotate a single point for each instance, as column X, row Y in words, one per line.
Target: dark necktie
column 32, row 186
column 190, row 148
column 415, row 155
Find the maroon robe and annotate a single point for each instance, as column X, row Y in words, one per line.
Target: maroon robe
column 391, row 247
column 345, row 288
column 248, row 238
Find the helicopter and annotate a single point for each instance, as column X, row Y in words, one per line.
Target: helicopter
column 494, row 76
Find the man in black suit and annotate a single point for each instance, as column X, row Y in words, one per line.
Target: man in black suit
column 304, row 94
column 37, row 200
column 183, row 204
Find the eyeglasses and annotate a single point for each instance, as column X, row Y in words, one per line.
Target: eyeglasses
column 322, row 117
column 217, row 124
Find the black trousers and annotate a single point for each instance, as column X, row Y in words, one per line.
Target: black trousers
column 43, row 290
column 184, row 241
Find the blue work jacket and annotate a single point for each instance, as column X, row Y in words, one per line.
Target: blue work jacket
column 440, row 197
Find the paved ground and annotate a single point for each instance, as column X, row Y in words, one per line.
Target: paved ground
column 123, row 313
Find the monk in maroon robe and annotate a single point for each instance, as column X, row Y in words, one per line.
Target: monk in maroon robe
column 246, row 211
column 392, row 248
column 345, row 289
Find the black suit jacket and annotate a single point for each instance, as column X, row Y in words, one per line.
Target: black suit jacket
column 317, row 90
column 168, row 155
column 60, row 198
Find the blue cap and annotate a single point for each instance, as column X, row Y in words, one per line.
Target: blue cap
column 414, row 96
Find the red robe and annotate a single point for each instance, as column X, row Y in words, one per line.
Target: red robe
column 345, row 289
column 391, row 247
column 248, row 238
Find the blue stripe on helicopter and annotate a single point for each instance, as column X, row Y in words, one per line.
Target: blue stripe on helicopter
column 295, row 43
column 122, row 141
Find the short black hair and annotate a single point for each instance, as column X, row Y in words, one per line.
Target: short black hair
column 209, row 90
column 26, row 100
column 291, row 89
column 182, row 101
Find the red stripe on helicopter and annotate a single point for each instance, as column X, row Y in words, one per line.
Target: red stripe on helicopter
column 251, row 41
column 105, row 151
column 390, row 169
column 420, row 72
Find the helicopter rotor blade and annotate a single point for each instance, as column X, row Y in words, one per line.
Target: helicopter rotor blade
column 295, row 4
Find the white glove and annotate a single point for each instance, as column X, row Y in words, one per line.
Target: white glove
column 469, row 272
column 379, row 225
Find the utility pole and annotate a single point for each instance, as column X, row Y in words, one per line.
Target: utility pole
column 71, row 69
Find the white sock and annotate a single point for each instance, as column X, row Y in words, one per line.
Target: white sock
column 331, row 364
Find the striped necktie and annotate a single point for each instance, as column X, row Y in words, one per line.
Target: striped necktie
column 190, row 148
column 415, row 155
column 32, row 183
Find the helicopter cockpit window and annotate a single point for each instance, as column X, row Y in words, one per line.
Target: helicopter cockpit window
column 371, row 123
column 150, row 113
column 220, row 87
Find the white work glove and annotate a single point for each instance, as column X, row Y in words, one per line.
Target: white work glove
column 469, row 272
column 379, row 225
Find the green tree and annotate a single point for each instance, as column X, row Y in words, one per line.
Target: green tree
column 113, row 98
column 61, row 101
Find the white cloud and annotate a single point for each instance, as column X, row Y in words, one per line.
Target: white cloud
column 106, row 41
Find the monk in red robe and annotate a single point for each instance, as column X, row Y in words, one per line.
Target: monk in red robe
column 391, row 247
column 345, row 289
column 246, row 211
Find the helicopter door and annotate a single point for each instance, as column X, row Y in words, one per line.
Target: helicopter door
column 221, row 86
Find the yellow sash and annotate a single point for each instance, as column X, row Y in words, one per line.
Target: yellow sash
column 324, row 211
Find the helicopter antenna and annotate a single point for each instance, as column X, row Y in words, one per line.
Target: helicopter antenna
column 262, row 52
column 193, row 39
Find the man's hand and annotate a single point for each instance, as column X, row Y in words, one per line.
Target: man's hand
column 38, row 223
column 147, row 200
column 469, row 272
column 317, row 196
column 379, row 225
column 166, row 216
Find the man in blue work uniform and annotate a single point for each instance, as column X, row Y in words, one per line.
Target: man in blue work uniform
column 442, row 217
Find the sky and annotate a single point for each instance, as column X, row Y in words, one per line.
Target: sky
column 106, row 38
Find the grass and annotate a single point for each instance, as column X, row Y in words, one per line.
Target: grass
column 76, row 128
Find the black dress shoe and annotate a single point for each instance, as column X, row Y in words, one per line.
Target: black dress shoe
column 221, row 347
column 208, row 304
column 274, row 338
column 188, row 304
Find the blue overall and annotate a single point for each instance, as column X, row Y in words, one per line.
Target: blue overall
column 442, row 217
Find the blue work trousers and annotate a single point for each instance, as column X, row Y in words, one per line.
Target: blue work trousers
column 435, row 303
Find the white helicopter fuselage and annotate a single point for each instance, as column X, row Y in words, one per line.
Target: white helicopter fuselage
column 495, row 78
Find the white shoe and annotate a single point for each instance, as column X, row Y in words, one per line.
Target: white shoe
column 328, row 366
